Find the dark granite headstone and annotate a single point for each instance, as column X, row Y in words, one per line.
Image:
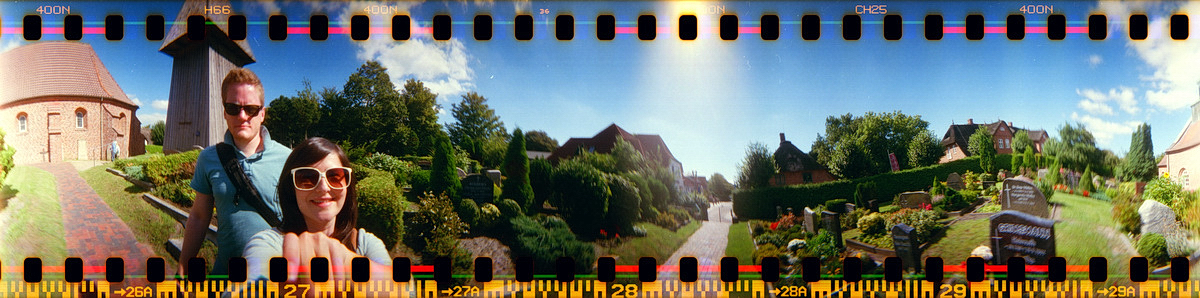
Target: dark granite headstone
column 477, row 187
column 833, row 224
column 810, row 221
column 873, row 205
column 1017, row 234
column 914, row 199
column 1021, row 195
column 954, row 181
column 850, row 207
column 907, row 246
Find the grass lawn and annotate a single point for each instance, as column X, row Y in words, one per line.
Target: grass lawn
column 739, row 244
column 659, row 243
column 149, row 225
column 152, row 149
column 960, row 239
column 1079, row 235
column 31, row 223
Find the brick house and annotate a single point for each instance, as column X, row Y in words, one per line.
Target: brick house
column 652, row 147
column 58, row 102
column 1183, row 157
column 957, row 138
column 796, row 167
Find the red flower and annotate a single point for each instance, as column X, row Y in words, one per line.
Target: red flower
column 603, row 233
column 774, row 225
column 1085, row 193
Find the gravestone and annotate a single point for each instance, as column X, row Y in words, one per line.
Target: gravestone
column 1157, row 218
column 850, row 207
column 1021, row 195
column 810, row 221
column 495, row 175
column 477, row 187
column 873, row 205
column 833, row 224
column 907, row 247
column 1018, row 234
column 954, row 181
column 914, row 199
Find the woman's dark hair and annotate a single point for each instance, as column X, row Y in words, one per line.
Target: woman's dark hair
column 307, row 153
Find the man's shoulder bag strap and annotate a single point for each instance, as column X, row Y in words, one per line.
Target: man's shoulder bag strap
column 245, row 190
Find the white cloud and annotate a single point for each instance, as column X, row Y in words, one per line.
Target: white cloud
column 1094, row 60
column 134, row 99
column 160, row 104
column 11, row 43
column 151, row 118
column 1104, row 131
column 1174, row 69
column 1096, row 102
column 441, row 65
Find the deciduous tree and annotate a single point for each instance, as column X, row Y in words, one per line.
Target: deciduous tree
column 757, row 168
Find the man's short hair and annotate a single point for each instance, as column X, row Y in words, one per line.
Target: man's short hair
column 241, row 76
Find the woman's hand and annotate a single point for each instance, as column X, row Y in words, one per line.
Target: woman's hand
column 300, row 249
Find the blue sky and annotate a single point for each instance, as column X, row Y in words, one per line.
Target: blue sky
column 709, row 98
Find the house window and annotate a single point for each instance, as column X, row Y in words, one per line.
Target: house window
column 21, row 122
column 80, row 116
column 1183, row 177
column 808, row 178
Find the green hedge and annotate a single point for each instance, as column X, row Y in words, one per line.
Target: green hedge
column 381, row 207
column 171, row 168
column 760, row 203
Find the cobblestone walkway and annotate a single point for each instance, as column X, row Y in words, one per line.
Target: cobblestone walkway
column 707, row 244
column 94, row 233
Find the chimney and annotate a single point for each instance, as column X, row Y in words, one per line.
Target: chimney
column 781, row 138
column 970, row 121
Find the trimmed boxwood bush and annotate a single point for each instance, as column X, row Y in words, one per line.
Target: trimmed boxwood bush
column 172, row 168
column 1154, row 247
column 509, row 208
column 760, row 203
column 489, row 215
column 873, row 224
column 179, row 192
column 381, row 207
column 547, row 240
column 468, row 211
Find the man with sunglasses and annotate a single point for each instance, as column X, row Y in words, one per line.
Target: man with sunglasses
column 260, row 158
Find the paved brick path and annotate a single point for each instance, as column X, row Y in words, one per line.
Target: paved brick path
column 94, row 233
column 707, row 244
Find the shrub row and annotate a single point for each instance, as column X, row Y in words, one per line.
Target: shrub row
column 760, row 203
column 546, row 240
column 380, row 206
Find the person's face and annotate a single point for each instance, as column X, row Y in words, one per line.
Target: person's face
column 321, row 204
column 244, row 126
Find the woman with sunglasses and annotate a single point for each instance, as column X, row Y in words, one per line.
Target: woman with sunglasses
column 319, row 202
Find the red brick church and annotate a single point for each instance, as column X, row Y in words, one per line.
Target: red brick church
column 58, row 102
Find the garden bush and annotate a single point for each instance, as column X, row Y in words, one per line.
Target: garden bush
column 925, row 222
column 769, row 250
column 623, row 208
column 400, row 169
column 540, row 171
column 1164, row 190
column 171, row 168
column 434, row 229
column 776, row 239
column 760, row 203
column 1154, row 247
column 381, row 208
column 665, row 220
column 955, row 201
column 849, row 220
column 681, row 216
column 838, row 205
column 135, row 172
column 509, row 208
column 546, row 241
column 419, row 185
column 468, row 212
column 1125, row 212
column 873, row 224
column 489, row 216
column 581, row 195
column 179, row 192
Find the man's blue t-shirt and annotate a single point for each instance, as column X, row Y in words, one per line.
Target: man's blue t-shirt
column 236, row 223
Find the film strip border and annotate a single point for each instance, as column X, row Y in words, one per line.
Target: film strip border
column 648, row 269
column 607, row 27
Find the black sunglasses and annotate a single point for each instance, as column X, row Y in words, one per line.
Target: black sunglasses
column 232, row 109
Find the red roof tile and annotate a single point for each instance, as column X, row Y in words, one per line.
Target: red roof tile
column 62, row 68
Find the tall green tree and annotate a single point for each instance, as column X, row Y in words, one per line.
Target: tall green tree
column 1020, row 141
column 157, row 130
column 924, row 150
column 757, row 169
column 1078, row 149
column 540, row 171
column 537, row 140
column 1139, row 164
column 422, row 117
column 374, row 95
column 719, row 187
column 627, row 157
column 1029, row 161
column 981, row 144
column 474, row 123
column 443, row 176
column 1085, row 180
column 293, row 119
column 854, row 147
column 516, row 171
